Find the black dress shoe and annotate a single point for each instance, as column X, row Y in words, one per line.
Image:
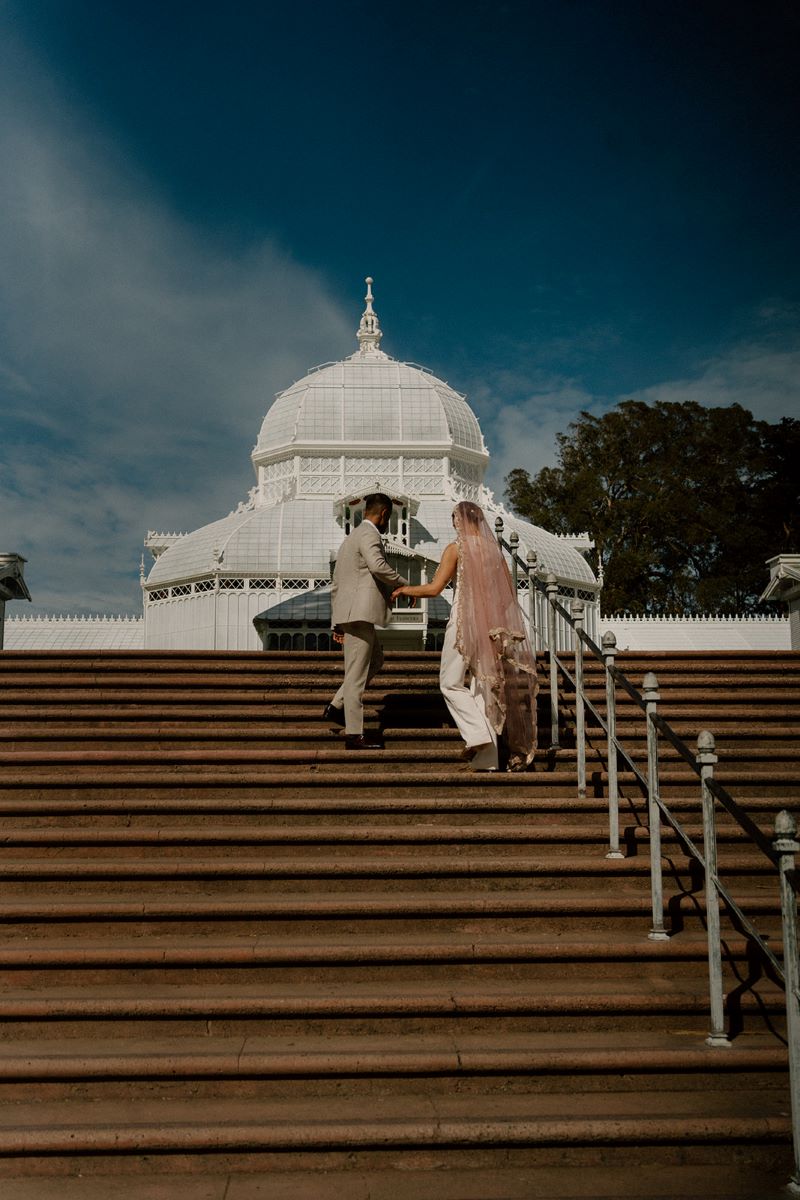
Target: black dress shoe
column 357, row 741
column 331, row 713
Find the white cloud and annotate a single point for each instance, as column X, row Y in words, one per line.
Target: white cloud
column 762, row 378
column 521, row 430
column 523, row 433
column 136, row 360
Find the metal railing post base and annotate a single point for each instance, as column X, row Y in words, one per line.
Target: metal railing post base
column 615, row 854
column 658, row 935
column 792, row 1188
column 718, row 1041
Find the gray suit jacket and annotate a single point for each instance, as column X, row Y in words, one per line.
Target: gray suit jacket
column 363, row 581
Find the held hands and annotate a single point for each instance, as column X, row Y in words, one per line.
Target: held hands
column 404, row 591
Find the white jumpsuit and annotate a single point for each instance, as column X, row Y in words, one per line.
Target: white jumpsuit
column 466, row 703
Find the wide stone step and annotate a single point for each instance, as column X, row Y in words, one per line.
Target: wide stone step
column 300, row 837
column 195, row 949
column 661, row 996
column 326, row 748
column 117, row 784
column 509, row 867
column 766, row 745
column 419, row 1121
column 779, row 702
column 663, row 1177
column 64, row 684
column 622, row 1060
column 492, row 799
column 255, row 736
column 233, row 721
column 202, row 712
column 588, row 904
column 530, row 1053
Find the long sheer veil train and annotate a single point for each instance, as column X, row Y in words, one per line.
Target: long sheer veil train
column 491, row 634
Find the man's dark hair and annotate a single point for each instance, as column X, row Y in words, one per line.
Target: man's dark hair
column 376, row 501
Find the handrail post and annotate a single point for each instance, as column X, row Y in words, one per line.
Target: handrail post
column 706, row 758
column 532, row 559
column 786, row 846
column 580, row 713
column 498, row 530
column 651, row 697
column 513, row 541
column 552, row 591
column 609, row 647
column 423, row 578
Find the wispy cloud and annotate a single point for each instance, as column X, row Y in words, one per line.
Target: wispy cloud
column 761, row 372
column 136, row 360
column 760, row 377
column 521, row 428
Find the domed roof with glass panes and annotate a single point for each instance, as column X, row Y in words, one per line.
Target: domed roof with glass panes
column 368, row 423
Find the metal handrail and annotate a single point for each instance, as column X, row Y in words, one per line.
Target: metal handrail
column 780, row 851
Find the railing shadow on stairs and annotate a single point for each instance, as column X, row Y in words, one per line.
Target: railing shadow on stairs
column 780, row 850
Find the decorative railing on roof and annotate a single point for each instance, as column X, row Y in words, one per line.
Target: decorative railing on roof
column 106, row 618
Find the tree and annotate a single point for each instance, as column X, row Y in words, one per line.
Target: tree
column 684, row 503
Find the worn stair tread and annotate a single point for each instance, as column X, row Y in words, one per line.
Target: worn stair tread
column 653, row 992
column 645, row 1182
column 375, row 771
column 67, row 835
column 309, row 904
column 533, row 832
column 343, row 865
column 196, row 947
column 419, row 1120
column 251, row 728
column 362, row 802
column 614, row 1053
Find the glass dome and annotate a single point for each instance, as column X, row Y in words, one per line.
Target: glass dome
column 367, row 423
column 368, row 400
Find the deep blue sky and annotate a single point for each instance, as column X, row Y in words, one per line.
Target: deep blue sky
column 562, row 203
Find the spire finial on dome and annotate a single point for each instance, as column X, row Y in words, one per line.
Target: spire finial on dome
column 369, row 331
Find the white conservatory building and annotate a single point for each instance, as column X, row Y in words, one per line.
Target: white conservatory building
column 368, row 423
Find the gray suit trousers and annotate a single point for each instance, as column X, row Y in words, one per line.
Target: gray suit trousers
column 363, row 658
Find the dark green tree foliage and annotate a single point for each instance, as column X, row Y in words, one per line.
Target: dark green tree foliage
column 684, row 503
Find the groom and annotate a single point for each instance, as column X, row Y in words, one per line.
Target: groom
column 363, row 581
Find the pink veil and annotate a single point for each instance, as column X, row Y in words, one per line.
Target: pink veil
column 491, row 634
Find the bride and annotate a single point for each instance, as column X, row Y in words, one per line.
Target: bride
column 485, row 635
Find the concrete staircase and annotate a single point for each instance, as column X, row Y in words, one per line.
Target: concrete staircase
column 238, row 961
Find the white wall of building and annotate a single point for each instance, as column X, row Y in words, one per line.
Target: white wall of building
column 699, row 633
column 220, row 620
column 74, row 633
column 177, row 630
